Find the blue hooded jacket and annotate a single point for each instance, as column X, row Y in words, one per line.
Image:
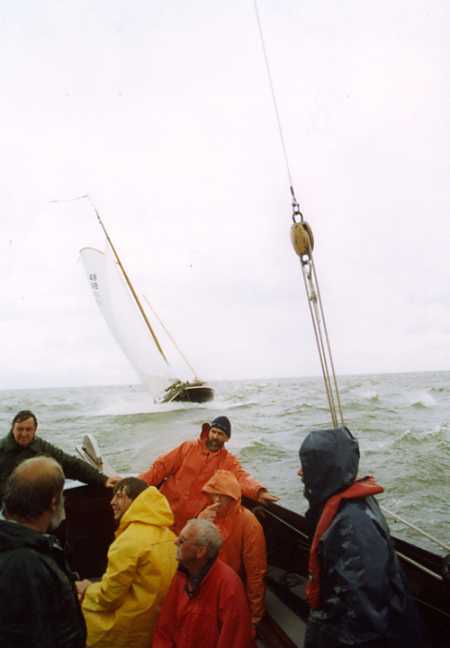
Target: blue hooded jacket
column 364, row 598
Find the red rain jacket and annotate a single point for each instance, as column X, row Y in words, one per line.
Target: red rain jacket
column 182, row 473
column 244, row 547
column 216, row 616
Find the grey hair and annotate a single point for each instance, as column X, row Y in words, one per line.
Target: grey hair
column 208, row 535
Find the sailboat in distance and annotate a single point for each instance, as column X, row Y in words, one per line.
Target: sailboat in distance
column 131, row 328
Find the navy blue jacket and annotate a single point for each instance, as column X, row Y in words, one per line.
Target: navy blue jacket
column 364, row 597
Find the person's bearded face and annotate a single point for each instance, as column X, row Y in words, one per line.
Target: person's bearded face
column 216, row 439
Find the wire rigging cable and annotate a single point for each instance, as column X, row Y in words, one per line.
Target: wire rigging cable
column 274, row 99
column 303, row 242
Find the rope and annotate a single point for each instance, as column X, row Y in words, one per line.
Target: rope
column 415, row 528
column 274, row 100
column 308, row 269
column 322, row 338
column 171, row 338
column 419, row 566
column 318, row 318
column 401, row 555
column 337, row 397
column 286, row 524
column 66, row 200
column 317, row 313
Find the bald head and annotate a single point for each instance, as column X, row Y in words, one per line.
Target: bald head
column 38, row 468
column 33, row 488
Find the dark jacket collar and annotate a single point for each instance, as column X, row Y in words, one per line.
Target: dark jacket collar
column 9, row 443
column 193, row 582
column 14, row 535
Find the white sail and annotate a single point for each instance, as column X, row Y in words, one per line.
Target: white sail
column 125, row 321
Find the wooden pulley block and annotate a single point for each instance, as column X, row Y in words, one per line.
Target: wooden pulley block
column 302, row 238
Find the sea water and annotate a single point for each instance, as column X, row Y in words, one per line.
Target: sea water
column 400, row 420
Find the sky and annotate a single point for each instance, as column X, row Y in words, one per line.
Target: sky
column 162, row 113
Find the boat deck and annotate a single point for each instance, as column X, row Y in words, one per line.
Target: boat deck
column 282, row 628
column 89, row 530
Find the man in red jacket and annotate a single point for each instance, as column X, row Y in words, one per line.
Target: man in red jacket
column 181, row 473
column 206, row 604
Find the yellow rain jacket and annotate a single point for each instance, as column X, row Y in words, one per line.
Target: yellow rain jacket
column 121, row 610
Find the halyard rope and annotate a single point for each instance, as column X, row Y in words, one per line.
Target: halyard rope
column 304, row 252
column 308, row 269
column 274, row 100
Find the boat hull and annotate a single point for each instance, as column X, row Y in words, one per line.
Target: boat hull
column 89, row 529
column 288, row 547
column 189, row 393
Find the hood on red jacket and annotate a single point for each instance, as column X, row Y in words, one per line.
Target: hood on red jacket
column 223, row 482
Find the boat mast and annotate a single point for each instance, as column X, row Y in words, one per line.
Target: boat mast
column 129, row 284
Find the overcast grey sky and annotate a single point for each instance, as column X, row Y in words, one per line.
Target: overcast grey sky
column 161, row 111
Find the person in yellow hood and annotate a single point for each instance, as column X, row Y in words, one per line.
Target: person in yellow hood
column 244, row 546
column 122, row 608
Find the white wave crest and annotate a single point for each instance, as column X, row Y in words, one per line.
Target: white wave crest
column 421, row 399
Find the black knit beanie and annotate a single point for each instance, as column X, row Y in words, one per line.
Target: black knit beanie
column 223, row 423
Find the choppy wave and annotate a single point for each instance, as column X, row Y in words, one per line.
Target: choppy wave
column 356, row 396
column 421, row 399
column 417, row 443
column 298, row 409
column 224, row 405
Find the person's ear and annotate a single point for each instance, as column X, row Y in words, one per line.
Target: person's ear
column 201, row 552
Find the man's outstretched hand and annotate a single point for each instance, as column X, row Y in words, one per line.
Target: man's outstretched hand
column 264, row 497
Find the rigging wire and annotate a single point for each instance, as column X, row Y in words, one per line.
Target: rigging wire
column 402, row 520
column 270, row 513
column 274, row 99
column 172, row 339
column 303, row 244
